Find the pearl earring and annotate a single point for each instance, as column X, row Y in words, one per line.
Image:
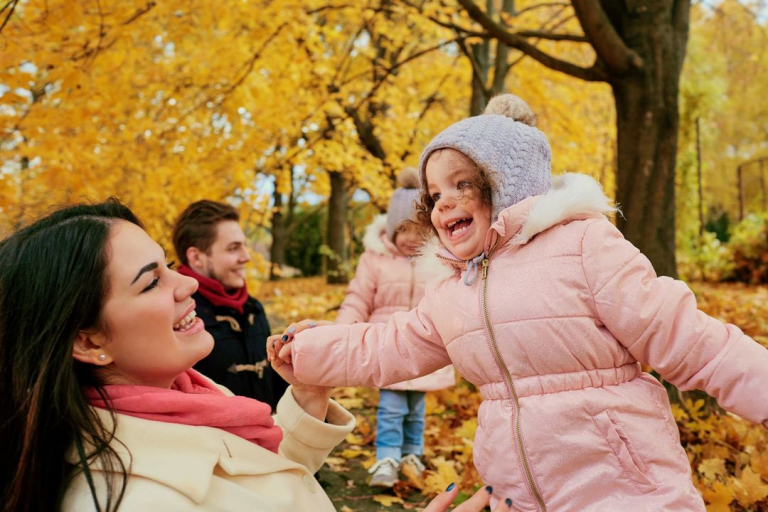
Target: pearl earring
column 102, row 357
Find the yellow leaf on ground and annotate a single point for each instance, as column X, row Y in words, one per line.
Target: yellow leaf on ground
column 467, row 429
column 350, row 403
column 387, row 501
column 711, row 469
column 349, row 453
column 718, row 497
column 412, row 476
column 444, row 475
column 355, row 439
column 749, row 488
column 759, row 463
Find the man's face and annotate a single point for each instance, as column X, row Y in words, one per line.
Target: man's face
column 225, row 260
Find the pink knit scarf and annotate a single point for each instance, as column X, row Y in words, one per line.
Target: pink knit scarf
column 194, row 400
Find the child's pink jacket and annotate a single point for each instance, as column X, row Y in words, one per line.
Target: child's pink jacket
column 385, row 282
column 573, row 307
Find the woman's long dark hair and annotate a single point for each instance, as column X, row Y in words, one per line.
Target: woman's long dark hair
column 53, row 284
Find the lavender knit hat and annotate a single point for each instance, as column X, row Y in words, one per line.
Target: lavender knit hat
column 402, row 205
column 506, row 144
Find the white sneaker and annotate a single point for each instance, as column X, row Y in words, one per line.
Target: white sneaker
column 384, row 473
column 414, row 461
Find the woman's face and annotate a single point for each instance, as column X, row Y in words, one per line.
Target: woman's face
column 151, row 335
column 459, row 214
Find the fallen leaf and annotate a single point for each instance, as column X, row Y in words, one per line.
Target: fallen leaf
column 759, row 463
column 718, row 497
column 351, row 453
column 412, row 476
column 387, row 501
column 355, row 439
column 711, row 469
column 750, row 488
column 444, row 475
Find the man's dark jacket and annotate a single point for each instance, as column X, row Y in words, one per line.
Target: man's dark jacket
column 239, row 357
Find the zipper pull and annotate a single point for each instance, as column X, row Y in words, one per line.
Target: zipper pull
column 485, row 268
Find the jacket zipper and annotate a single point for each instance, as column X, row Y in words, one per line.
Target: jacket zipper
column 413, row 285
column 511, row 384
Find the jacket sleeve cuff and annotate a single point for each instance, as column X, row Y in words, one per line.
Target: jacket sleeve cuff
column 303, row 428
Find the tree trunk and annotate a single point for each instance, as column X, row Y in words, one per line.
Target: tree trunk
column 279, row 238
column 647, row 124
column 481, row 53
column 337, row 214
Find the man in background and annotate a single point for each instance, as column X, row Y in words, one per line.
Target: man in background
column 212, row 248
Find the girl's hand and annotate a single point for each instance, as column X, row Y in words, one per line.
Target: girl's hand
column 476, row 503
column 275, row 349
column 313, row 399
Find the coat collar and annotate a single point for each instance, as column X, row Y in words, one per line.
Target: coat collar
column 183, row 457
column 572, row 197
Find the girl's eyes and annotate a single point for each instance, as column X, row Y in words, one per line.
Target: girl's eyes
column 156, row 280
column 435, row 197
column 463, row 184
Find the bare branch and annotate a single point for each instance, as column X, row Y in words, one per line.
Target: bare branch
column 397, row 65
column 576, row 38
column 608, row 45
column 513, row 40
column 140, row 12
column 11, row 6
column 330, row 7
column 540, row 6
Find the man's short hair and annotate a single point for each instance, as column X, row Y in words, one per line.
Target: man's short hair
column 196, row 226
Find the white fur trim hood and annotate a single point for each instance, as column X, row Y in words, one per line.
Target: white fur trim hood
column 572, row 196
column 372, row 237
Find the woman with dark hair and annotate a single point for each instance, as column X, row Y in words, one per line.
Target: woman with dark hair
column 100, row 406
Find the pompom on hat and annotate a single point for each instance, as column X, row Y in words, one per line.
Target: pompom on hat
column 402, row 205
column 506, row 144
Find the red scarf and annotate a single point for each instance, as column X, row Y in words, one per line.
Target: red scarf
column 214, row 291
column 194, row 400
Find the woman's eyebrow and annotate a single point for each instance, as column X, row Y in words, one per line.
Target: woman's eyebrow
column 145, row 268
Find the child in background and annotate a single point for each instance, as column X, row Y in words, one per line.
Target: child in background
column 386, row 282
column 544, row 306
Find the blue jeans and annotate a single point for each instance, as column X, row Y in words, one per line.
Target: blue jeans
column 400, row 424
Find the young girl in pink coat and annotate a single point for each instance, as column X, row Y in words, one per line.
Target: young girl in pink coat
column 386, row 282
column 544, row 305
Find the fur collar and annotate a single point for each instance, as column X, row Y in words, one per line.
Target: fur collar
column 429, row 266
column 572, row 196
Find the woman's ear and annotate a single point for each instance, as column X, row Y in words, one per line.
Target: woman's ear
column 89, row 349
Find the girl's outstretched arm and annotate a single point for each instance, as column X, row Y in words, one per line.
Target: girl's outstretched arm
column 406, row 347
column 657, row 320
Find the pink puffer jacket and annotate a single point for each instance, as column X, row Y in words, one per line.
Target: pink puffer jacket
column 385, row 282
column 569, row 421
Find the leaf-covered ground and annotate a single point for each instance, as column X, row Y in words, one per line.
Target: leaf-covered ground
column 729, row 456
